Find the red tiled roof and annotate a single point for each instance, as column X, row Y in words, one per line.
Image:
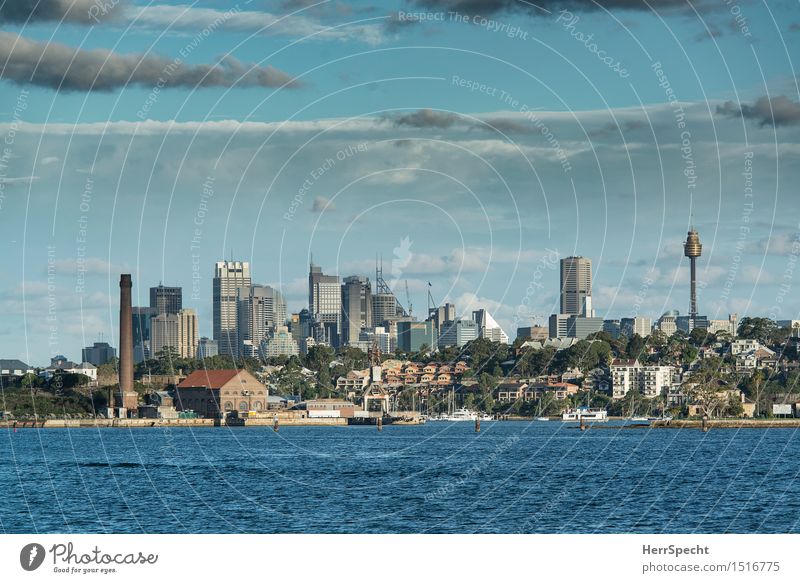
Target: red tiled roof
column 213, row 379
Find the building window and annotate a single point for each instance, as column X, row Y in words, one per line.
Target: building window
column 228, row 405
column 243, row 406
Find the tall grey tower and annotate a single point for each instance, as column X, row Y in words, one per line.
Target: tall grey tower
column 692, row 249
column 166, row 300
column 576, row 286
column 325, row 302
column 229, row 276
column 356, row 307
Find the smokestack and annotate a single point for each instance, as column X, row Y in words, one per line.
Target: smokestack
column 125, row 338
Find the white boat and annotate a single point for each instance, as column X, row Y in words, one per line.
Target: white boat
column 585, row 413
column 461, row 414
column 639, row 419
column 542, row 419
column 486, row 417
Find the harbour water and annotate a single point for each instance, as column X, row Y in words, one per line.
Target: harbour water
column 512, row 477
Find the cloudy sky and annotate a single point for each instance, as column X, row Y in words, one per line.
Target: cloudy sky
column 471, row 143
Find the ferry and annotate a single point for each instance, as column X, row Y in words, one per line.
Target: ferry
column 585, row 413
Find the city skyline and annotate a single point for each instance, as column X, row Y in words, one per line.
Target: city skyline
column 564, row 267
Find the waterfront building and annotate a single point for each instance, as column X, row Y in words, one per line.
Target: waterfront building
column 280, row 343
column 650, row 380
column 206, row 348
column 60, row 365
column 325, row 305
column 488, row 327
column 99, row 353
column 12, row 369
column 457, row 332
column 412, row 336
column 212, row 392
column 638, row 325
column 356, row 308
column 576, row 286
column 166, row 300
column 229, row 276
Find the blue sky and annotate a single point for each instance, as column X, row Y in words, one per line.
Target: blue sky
column 468, row 143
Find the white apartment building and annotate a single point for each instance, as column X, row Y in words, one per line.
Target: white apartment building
column 651, row 380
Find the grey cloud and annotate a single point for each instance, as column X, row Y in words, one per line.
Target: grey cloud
column 542, row 7
column 321, row 204
column 777, row 111
column 59, row 66
column 426, row 118
column 612, row 129
column 80, row 11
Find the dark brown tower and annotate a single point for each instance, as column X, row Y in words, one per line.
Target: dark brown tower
column 126, row 395
column 692, row 249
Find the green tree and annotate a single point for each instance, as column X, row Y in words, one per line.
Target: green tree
column 760, row 329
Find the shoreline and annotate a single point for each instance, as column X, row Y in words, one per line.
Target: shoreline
column 294, row 421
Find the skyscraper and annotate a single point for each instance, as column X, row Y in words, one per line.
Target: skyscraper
column 385, row 307
column 188, row 335
column 166, row 300
column 261, row 308
column 141, row 332
column 440, row 315
column 576, row 286
column 356, row 307
column 229, row 276
column 325, row 303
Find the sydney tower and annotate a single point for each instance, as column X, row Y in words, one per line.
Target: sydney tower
column 692, row 249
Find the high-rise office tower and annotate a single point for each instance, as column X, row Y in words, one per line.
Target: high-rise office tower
column 229, row 276
column 385, row 307
column 442, row 314
column 141, row 332
column 261, row 308
column 692, row 249
column 356, row 307
column 164, row 333
column 576, row 286
column 188, row 333
column 325, row 303
column 178, row 331
column 166, row 300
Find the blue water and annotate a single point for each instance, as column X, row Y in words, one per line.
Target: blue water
column 441, row 477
